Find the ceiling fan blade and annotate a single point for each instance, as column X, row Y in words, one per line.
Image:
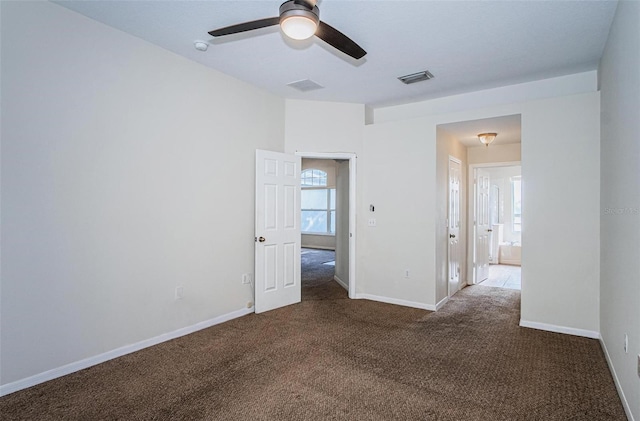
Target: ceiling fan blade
column 337, row 39
column 246, row 26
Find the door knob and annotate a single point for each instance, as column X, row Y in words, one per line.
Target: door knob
column 452, row 236
column 262, row 239
column 489, row 230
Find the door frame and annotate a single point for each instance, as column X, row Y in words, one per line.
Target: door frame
column 471, row 207
column 352, row 158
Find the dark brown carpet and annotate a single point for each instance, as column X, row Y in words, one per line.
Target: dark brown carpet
column 341, row 359
column 317, row 278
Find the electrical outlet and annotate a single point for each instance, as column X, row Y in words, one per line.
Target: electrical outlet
column 406, row 273
column 626, row 343
column 249, row 304
column 246, row 278
column 371, row 222
column 179, row 293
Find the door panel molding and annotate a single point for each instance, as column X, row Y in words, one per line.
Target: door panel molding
column 277, row 230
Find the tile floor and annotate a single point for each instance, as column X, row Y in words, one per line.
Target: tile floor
column 503, row 276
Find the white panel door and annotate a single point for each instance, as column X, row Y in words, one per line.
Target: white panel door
column 482, row 225
column 454, row 226
column 277, row 251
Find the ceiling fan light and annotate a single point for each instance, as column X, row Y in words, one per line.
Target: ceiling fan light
column 487, row 138
column 298, row 27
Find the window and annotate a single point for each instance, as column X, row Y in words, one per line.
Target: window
column 318, row 203
column 313, row 178
column 516, row 203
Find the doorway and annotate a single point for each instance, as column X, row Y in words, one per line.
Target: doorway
column 461, row 141
column 497, row 208
column 328, row 232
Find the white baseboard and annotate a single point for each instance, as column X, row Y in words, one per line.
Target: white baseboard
column 623, row 398
column 118, row 352
column 314, row 247
column 560, row 329
column 441, row 303
column 397, row 301
column 341, row 282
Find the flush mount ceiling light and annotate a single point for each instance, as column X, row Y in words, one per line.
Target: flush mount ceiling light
column 487, row 138
column 298, row 22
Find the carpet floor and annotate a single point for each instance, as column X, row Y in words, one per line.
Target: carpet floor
column 317, row 278
column 342, row 359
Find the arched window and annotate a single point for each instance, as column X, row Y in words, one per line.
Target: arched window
column 318, row 203
column 313, row 178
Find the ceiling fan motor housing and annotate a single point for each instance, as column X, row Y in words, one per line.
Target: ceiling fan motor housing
column 294, row 8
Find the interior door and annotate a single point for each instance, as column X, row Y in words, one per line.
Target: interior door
column 454, row 255
column 482, row 225
column 277, row 239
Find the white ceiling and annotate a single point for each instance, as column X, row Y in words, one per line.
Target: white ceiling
column 467, row 45
column 508, row 129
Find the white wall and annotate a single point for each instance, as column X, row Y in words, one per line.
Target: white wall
column 313, row 126
column 118, row 163
column 399, row 180
column 322, row 127
column 447, row 145
column 620, row 200
column 560, row 173
column 560, row 166
column 546, row 88
column 494, row 153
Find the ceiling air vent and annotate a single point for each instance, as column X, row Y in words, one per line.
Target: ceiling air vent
column 416, row 77
column 305, row 85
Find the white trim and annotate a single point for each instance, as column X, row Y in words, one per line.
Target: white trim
column 319, row 234
column 397, row 301
column 352, row 157
column 318, row 248
column 441, row 303
column 560, row 329
column 623, row 398
column 118, row 352
column 326, row 155
column 341, row 282
column 496, row 164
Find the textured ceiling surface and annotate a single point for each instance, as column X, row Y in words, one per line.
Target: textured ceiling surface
column 467, row 45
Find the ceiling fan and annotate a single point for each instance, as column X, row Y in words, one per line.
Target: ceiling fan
column 299, row 19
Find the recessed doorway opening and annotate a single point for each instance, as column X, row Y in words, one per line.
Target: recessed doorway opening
column 327, row 257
